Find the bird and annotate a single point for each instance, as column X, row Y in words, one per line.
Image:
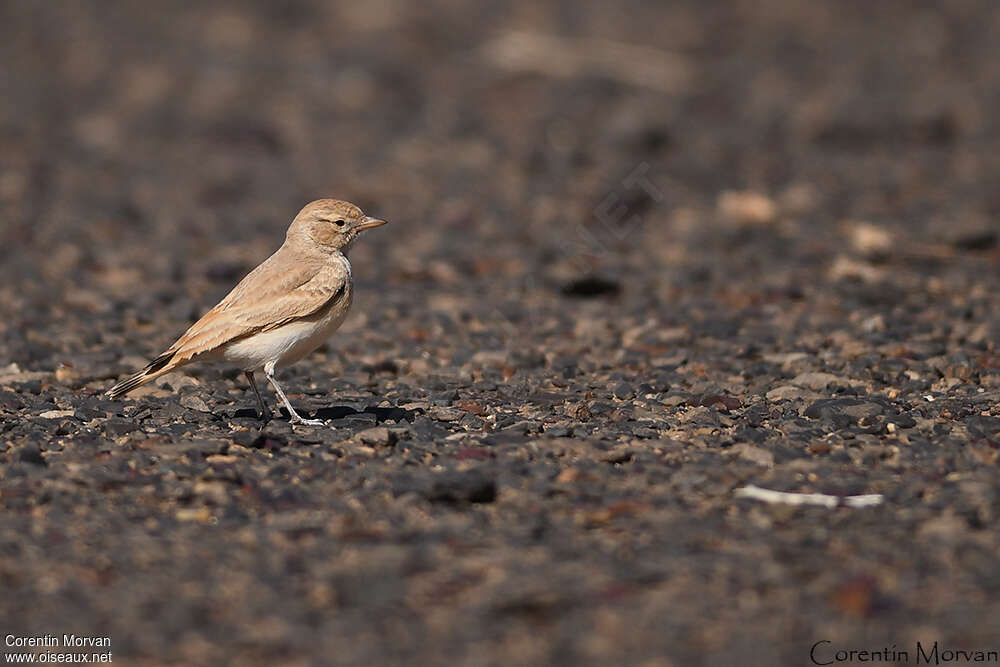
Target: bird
column 281, row 311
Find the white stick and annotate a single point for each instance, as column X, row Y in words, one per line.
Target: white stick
column 821, row 499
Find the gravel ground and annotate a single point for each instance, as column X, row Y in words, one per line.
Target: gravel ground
column 640, row 256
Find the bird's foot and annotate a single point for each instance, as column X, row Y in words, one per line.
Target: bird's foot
column 299, row 421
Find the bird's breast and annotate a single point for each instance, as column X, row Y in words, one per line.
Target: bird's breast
column 290, row 342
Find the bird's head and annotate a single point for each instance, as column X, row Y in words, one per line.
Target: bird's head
column 330, row 223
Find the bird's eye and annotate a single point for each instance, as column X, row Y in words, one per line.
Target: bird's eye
column 340, row 223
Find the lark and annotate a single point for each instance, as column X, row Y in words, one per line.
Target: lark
column 281, row 311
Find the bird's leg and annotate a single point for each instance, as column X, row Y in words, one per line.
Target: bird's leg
column 295, row 418
column 265, row 412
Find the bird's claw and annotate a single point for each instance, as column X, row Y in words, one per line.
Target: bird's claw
column 307, row 422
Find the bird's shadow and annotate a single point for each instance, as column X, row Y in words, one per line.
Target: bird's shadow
column 332, row 412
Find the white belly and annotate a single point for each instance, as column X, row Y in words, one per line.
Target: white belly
column 286, row 344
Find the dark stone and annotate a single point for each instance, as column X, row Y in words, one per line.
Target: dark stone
column 199, row 449
column 756, row 414
column 600, row 408
column 88, row 413
column 751, row 434
column 982, row 426
column 116, row 428
column 843, row 411
column 473, row 486
column 446, row 397
column 721, row 402
column 590, row 287
column 623, row 391
column 10, row 400
column 388, row 366
column 260, row 439
column 975, row 239
column 378, row 436
column 30, row 387
column 30, row 453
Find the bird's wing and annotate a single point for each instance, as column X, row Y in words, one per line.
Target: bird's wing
column 275, row 293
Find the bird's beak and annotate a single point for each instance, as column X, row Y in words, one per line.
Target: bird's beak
column 370, row 222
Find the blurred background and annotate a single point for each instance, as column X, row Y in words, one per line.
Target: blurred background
column 517, row 147
column 574, row 185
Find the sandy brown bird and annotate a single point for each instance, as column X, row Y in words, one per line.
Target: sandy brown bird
column 282, row 310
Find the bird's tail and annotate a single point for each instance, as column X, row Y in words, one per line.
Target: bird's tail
column 156, row 368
